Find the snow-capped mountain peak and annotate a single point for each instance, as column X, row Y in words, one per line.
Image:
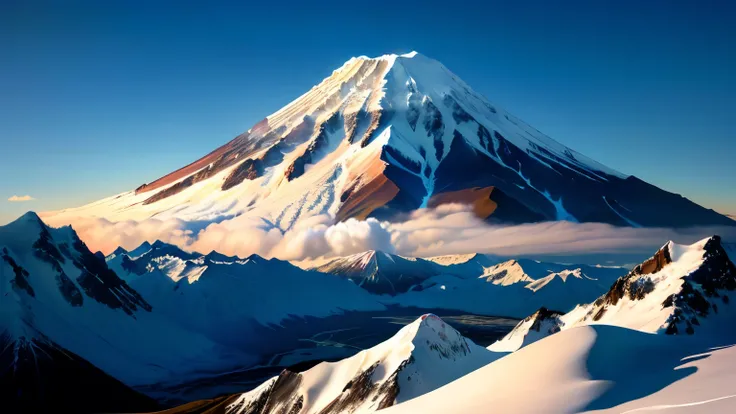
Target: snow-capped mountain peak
column 506, row 273
column 421, row 357
column 380, row 272
column 383, row 136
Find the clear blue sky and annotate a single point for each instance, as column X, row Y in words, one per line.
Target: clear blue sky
column 98, row 97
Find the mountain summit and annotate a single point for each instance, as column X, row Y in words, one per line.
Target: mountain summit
column 386, row 135
column 421, row 357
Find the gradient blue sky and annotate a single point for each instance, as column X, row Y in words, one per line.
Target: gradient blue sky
column 98, row 97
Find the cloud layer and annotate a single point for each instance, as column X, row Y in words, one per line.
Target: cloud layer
column 448, row 229
column 17, row 198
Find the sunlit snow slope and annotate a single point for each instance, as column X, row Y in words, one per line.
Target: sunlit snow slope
column 601, row 369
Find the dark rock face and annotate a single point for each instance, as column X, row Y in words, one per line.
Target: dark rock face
column 21, row 275
column 634, row 286
column 46, row 250
column 544, row 314
column 702, row 290
column 102, row 284
column 458, row 113
column 38, row 376
column 249, row 169
column 355, row 392
column 433, row 121
column 132, row 266
column 312, row 153
column 282, row 393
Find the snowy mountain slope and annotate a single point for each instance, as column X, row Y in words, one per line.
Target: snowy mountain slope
column 602, row 369
column 382, row 273
column 679, row 290
column 386, row 135
column 223, row 297
column 421, row 357
column 465, row 265
column 57, row 296
column 506, row 273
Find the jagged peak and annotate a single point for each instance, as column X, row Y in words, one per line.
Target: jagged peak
column 388, row 56
column 30, row 218
column 214, row 255
column 120, row 250
column 430, row 330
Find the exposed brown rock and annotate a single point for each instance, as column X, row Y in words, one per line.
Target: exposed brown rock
column 372, row 127
column 214, row 406
column 249, row 169
column 360, row 202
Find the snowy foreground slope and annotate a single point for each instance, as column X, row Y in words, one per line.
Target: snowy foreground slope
column 386, row 135
column 421, row 357
column 598, row 369
column 679, row 290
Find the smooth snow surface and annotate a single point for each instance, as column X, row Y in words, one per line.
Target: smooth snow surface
column 599, row 368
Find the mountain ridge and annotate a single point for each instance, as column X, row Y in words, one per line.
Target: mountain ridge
column 676, row 291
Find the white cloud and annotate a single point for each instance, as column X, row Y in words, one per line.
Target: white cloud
column 17, row 198
column 448, row 229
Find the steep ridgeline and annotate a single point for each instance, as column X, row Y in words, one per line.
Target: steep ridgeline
column 678, row 291
column 65, row 315
column 225, row 297
column 383, row 136
column 421, row 357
